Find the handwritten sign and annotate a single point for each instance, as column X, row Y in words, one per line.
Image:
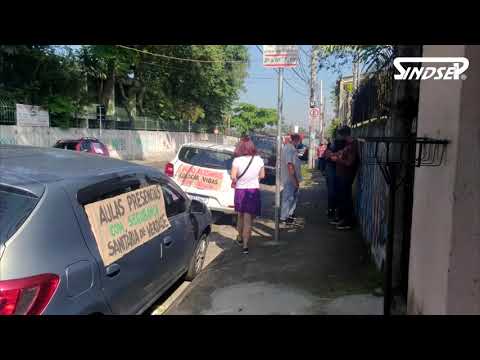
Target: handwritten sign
column 124, row 222
column 202, row 179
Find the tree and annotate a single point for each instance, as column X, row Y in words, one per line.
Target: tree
column 136, row 79
column 332, row 127
column 49, row 76
column 248, row 117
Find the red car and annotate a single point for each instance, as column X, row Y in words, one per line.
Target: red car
column 89, row 145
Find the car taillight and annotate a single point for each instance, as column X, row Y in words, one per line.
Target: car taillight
column 27, row 296
column 169, row 169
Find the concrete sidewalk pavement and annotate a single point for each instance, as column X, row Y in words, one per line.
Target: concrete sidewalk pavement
column 315, row 269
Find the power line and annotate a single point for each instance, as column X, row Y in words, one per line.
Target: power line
column 298, row 75
column 181, row 59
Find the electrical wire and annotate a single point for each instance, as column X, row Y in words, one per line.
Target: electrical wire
column 181, row 59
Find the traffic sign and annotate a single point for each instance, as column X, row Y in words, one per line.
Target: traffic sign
column 280, row 56
column 314, row 115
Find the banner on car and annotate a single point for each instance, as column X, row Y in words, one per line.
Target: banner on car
column 199, row 178
column 124, row 222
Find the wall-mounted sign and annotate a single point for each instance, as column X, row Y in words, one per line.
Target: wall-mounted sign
column 28, row 115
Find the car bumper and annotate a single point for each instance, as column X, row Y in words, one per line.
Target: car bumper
column 225, row 210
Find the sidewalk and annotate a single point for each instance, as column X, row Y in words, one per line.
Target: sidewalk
column 314, row 270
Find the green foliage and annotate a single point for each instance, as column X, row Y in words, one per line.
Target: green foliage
column 62, row 109
column 332, row 127
column 143, row 84
column 248, row 118
column 375, row 58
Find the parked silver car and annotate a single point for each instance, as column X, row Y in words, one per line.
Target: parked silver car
column 50, row 262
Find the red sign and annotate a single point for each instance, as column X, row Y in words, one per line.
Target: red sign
column 280, row 56
column 202, row 179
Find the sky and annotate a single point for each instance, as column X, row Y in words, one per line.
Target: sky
column 261, row 87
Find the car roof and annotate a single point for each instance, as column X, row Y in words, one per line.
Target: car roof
column 211, row 146
column 44, row 165
column 80, row 139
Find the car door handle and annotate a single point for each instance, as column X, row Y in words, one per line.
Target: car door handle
column 167, row 241
column 113, row 270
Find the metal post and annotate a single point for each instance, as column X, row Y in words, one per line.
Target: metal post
column 189, row 130
column 387, row 300
column 313, row 103
column 279, row 155
column 100, row 122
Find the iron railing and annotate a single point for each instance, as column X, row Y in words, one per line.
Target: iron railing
column 91, row 120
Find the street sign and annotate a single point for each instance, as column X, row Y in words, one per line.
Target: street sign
column 314, row 115
column 280, row 56
column 296, row 129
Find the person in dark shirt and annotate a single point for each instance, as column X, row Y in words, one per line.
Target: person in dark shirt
column 330, row 174
column 346, row 164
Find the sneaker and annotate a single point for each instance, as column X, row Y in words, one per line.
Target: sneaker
column 292, row 219
column 245, row 251
column 335, row 221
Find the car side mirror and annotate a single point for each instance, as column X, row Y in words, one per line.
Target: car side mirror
column 197, row 207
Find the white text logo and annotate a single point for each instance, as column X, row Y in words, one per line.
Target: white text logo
column 452, row 72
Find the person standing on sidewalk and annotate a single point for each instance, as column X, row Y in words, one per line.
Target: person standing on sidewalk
column 346, row 161
column 247, row 170
column 291, row 176
column 334, row 145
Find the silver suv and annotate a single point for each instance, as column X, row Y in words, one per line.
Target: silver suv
column 50, row 262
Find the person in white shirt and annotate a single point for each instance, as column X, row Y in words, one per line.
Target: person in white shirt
column 291, row 176
column 247, row 171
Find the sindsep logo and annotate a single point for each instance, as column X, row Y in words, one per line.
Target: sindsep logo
column 458, row 65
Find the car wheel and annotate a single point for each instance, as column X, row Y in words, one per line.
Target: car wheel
column 196, row 263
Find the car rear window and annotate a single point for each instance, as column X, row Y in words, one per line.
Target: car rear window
column 15, row 207
column 206, row 158
column 66, row 145
column 266, row 145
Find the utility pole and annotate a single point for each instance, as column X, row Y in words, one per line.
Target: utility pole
column 313, row 103
column 279, row 155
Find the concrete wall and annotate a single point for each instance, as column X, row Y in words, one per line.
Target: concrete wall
column 123, row 144
column 444, row 276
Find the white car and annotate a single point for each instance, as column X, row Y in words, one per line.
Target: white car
column 203, row 170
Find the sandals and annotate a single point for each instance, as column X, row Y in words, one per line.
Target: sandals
column 239, row 241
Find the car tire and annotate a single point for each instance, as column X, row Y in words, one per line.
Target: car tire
column 198, row 258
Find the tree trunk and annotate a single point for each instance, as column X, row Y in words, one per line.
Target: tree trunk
column 107, row 96
column 140, row 99
column 129, row 98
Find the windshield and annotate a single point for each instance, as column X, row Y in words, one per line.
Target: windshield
column 15, row 207
column 206, row 158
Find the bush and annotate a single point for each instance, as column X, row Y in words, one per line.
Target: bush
column 61, row 109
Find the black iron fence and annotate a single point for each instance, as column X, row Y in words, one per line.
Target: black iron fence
column 373, row 98
column 94, row 121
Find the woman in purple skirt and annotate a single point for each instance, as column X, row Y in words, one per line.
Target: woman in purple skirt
column 247, row 170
